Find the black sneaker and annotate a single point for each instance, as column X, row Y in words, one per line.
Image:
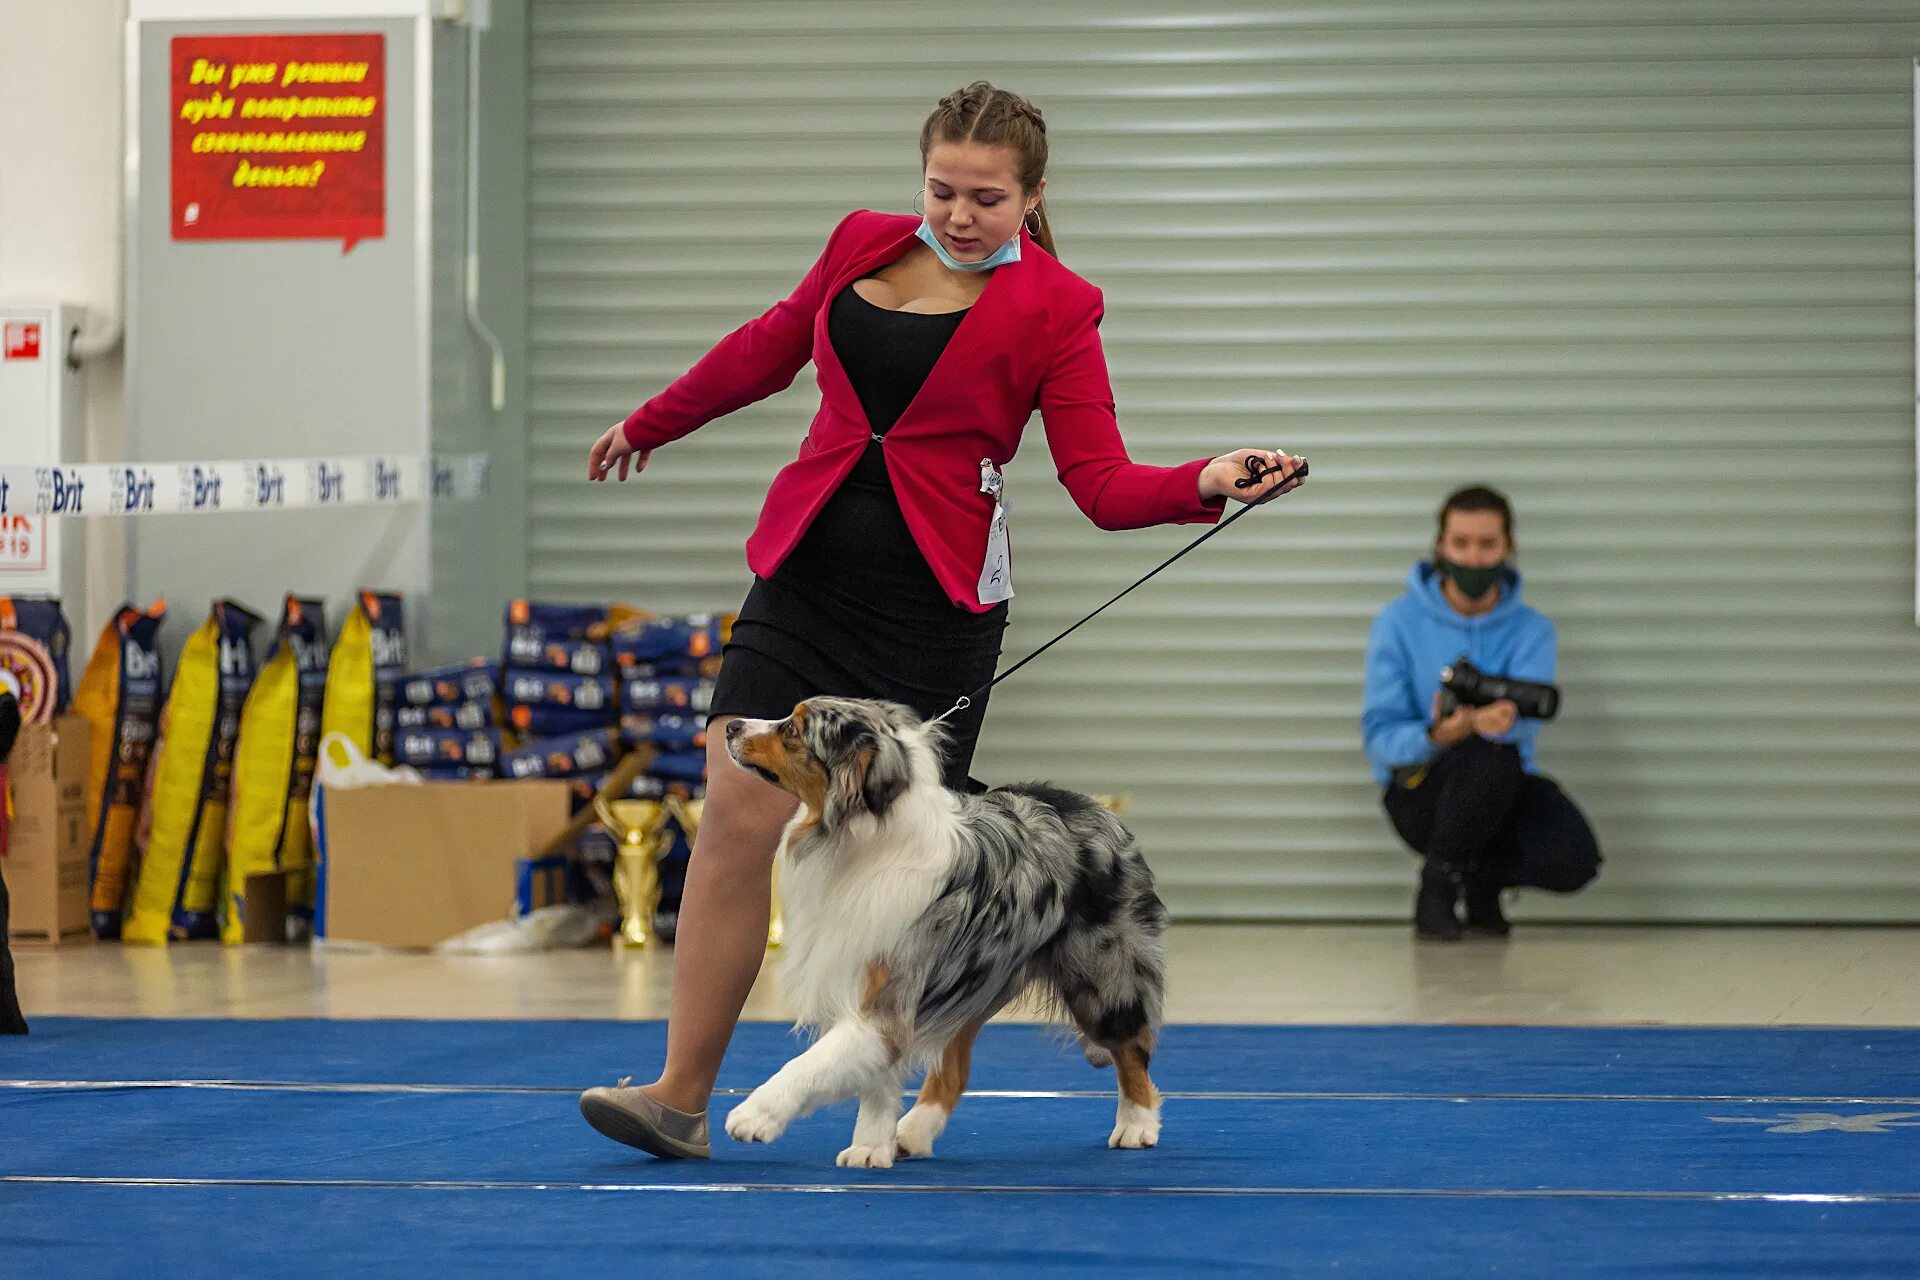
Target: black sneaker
column 1433, row 916
column 1483, row 911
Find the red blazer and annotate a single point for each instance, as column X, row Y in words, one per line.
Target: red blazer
column 1031, row 341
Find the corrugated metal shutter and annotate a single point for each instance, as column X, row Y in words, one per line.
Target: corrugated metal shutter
column 1646, row 264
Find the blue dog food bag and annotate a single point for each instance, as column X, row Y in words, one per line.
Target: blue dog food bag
column 553, row 722
column 425, row 748
column 454, row 772
column 445, row 715
column 470, row 681
column 667, row 693
column 578, row 693
column 557, row 637
column 680, row 766
column 688, row 638
column 668, row 731
column 564, row 757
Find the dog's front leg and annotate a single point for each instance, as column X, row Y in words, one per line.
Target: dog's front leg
column 875, row 1133
column 839, row 1064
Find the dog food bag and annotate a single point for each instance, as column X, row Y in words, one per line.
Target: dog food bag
column 668, row 643
column 568, row 757
column 119, row 698
column 553, row 722
column 689, row 694
column 273, row 766
column 686, row 767
column 442, row 748
column 446, row 715
column 575, row 657
column 538, row 622
column 669, row 731
column 34, row 640
column 585, row 787
column 455, row 773
column 363, row 673
column 177, row 894
column 577, row 693
column 469, row 681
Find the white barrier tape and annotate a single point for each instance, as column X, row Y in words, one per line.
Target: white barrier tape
column 271, row 484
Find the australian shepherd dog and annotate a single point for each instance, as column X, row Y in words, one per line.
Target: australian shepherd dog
column 913, row 913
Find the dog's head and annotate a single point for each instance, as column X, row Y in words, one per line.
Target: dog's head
column 843, row 757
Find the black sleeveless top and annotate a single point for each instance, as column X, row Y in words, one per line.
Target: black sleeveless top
column 855, row 610
column 859, row 552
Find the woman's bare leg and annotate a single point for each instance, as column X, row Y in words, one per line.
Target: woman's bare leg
column 722, row 933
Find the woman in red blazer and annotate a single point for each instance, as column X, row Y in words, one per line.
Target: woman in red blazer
column 881, row 563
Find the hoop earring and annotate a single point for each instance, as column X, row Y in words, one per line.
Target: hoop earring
column 1032, row 219
column 919, row 202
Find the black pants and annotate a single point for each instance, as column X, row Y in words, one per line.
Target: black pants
column 1475, row 810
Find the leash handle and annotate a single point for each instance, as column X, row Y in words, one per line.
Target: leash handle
column 1257, row 469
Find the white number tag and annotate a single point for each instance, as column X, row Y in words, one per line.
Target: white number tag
column 996, row 572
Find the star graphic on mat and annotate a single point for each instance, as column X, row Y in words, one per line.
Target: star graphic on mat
column 1820, row 1121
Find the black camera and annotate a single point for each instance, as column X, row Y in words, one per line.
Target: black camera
column 1464, row 684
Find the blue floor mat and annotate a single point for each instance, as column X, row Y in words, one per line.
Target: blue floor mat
column 1028, row 1142
column 457, row 1147
column 1637, row 1061
column 145, row 1233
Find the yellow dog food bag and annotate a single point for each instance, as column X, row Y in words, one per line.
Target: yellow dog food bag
column 177, row 895
column 119, row 698
column 363, row 675
column 273, row 767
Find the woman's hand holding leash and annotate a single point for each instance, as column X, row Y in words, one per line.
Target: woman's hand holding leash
column 611, row 448
column 1252, row 475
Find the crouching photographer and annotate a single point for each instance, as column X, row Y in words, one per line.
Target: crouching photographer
column 1459, row 682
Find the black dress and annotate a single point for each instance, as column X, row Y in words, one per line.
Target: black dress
column 855, row 610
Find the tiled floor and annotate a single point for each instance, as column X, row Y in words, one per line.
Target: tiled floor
column 1218, row 973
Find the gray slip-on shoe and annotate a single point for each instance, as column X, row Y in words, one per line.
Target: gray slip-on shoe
column 630, row 1116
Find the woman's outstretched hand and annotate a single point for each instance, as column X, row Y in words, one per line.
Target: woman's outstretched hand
column 1216, row 480
column 612, row 448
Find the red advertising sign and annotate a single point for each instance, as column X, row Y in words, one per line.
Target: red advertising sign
column 279, row 137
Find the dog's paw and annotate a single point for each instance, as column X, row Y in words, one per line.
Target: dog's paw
column 1135, row 1127
column 757, row 1119
column 857, row 1157
column 919, row 1128
column 1097, row 1057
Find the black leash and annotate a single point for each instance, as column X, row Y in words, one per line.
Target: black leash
column 1257, row 470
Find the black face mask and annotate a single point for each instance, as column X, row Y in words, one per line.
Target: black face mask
column 1473, row 583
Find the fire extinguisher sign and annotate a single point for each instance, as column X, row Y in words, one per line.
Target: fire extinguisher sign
column 23, row 543
column 22, row 340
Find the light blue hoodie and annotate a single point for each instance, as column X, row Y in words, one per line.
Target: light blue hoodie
column 1417, row 635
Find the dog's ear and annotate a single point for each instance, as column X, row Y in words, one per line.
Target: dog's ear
column 873, row 776
column 888, row 775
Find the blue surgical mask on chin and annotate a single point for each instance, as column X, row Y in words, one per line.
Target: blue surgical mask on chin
column 1006, row 253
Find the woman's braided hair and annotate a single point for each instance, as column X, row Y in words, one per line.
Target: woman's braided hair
column 994, row 117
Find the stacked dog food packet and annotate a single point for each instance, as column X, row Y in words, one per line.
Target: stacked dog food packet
column 444, row 723
column 667, row 667
column 557, row 684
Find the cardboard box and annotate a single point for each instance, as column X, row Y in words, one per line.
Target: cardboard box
column 411, row 866
column 46, row 866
